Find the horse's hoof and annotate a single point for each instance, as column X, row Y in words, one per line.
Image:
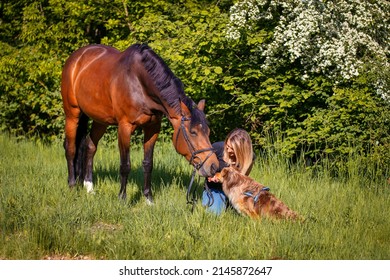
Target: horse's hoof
column 122, row 196
column 71, row 184
column 149, row 201
column 89, row 186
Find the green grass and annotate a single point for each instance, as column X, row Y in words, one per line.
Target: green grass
column 346, row 218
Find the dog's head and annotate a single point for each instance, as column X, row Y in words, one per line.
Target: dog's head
column 228, row 176
column 221, row 176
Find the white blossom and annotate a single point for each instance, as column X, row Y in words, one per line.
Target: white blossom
column 333, row 38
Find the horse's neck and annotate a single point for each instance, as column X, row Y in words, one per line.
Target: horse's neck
column 175, row 114
column 163, row 105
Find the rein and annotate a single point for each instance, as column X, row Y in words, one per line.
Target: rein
column 194, row 156
column 193, row 199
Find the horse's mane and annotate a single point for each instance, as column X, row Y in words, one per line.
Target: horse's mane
column 170, row 87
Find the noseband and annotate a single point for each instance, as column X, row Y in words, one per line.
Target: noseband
column 194, row 155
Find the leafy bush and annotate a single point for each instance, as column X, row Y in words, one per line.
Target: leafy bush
column 292, row 89
column 30, row 103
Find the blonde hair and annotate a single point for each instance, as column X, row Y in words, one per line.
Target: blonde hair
column 241, row 143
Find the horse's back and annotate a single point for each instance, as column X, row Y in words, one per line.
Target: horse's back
column 85, row 57
column 84, row 75
column 100, row 81
column 90, row 52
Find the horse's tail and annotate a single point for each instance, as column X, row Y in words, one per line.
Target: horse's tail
column 79, row 159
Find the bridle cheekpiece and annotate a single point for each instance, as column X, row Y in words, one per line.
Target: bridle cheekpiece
column 194, row 155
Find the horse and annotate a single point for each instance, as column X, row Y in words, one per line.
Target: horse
column 129, row 89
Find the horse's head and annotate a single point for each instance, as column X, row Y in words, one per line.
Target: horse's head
column 191, row 139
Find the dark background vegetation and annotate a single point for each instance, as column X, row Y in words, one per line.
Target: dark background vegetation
column 314, row 118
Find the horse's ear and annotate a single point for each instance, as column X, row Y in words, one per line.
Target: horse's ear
column 201, row 104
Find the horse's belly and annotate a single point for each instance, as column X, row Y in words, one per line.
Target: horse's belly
column 97, row 108
column 101, row 117
column 148, row 119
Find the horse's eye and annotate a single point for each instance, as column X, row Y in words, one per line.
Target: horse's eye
column 193, row 133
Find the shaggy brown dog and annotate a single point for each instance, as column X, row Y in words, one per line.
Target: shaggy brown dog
column 251, row 198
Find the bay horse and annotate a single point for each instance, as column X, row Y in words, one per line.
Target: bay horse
column 129, row 89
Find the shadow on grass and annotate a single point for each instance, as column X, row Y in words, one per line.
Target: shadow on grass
column 161, row 177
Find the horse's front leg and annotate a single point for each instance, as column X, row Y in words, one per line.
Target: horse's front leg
column 150, row 137
column 97, row 132
column 124, row 132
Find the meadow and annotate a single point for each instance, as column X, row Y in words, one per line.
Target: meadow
column 347, row 217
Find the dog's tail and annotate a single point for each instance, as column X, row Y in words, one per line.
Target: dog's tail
column 280, row 210
column 291, row 215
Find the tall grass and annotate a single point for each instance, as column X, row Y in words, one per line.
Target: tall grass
column 346, row 217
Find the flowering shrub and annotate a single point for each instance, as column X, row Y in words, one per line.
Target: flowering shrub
column 299, row 76
column 339, row 39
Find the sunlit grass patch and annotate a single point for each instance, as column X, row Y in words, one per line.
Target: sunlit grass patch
column 40, row 217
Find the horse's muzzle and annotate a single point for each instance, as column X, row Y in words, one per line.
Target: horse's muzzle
column 213, row 169
column 208, row 170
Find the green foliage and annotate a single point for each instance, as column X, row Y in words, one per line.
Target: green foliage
column 353, row 118
column 29, row 106
column 318, row 114
column 309, row 115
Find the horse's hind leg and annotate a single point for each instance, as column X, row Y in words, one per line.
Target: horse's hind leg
column 70, row 149
column 92, row 140
column 76, row 125
column 124, row 132
column 72, row 141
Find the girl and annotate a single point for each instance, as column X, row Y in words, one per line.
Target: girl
column 235, row 151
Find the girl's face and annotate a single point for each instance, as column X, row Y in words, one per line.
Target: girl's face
column 230, row 151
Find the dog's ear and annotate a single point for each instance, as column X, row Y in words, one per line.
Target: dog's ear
column 225, row 172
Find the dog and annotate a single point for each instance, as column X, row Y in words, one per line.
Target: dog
column 251, row 198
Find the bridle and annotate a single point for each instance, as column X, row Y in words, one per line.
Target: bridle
column 194, row 155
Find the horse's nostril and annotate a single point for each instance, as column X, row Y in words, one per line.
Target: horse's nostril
column 213, row 169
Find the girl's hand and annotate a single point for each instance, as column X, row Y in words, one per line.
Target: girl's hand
column 213, row 179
